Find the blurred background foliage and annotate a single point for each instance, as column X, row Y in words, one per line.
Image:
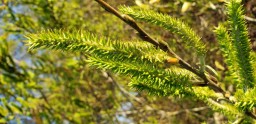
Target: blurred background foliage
column 58, row 87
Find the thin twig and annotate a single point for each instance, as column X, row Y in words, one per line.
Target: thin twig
column 8, row 92
column 188, row 110
column 174, row 113
column 123, row 91
column 250, row 19
column 238, row 121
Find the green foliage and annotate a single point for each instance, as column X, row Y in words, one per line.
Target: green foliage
column 236, row 51
column 241, row 43
column 176, row 26
column 166, row 85
column 136, row 59
column 226, row 108
column 228, row 52
column 246, row 101
column 229, row 110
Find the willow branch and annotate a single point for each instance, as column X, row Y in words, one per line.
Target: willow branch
column 163, row 46
column 209, row 80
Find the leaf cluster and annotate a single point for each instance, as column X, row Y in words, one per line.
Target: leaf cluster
column 140, row 60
